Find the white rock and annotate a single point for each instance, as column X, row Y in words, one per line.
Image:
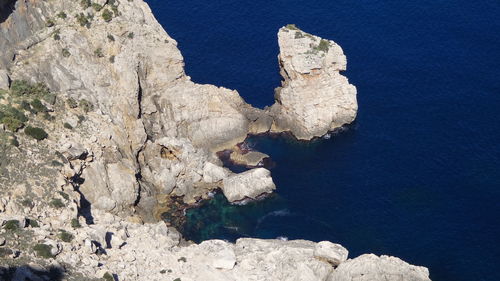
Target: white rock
column 2, row 241
column 314, row 97
column 4, row 80
column 90, row 246
column 333, row 253
column 370, row 267
column 220, row 253
column 249, row 184
column 213, row 173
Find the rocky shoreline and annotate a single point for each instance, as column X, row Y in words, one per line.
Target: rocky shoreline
column 102, row 131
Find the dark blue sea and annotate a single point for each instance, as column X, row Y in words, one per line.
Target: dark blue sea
column 417, row 176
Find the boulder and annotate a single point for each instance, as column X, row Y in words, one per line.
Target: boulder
column 249, row 184
column 333, row 253
column 220, row 253
column 371, row 267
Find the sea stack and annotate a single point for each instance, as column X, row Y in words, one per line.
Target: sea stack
column 314, row 97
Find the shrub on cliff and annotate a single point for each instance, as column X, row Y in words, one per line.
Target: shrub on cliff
column 65, row 236
column 9, row 111
column 38, row 106
column 49, row 23
column 98, row 52
column 108, row 277
column 85, row 4
column 75, row 223
column 72, row 103
column 12, row 124
column 43, row 251
column 86, row 105
column 25, row 88
column 11, row 225
column 62, row 15
column 107, row 15
column 36, row 133
column 83, row 20
column 97, row 7
column 324, row 46
column 65, row 53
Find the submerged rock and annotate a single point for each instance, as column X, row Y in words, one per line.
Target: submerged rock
column 314, row 97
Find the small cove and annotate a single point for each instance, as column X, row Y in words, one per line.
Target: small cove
column 416, row 176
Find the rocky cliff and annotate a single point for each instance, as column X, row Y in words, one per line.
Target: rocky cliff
column 102, row 129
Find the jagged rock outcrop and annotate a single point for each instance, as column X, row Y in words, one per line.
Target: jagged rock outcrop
column 314, row 97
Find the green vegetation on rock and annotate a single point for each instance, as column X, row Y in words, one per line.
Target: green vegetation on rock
column 107, row 15
column 25, row 88
column 38, row 106
column 83, row 20
column 72, row 103
column 67, row 126
column 292, row 27
column 11, row 225
column 75, row 223
column 33, row 223
column 108, row 277
column 98, row 52
column 299, row 35
column 65, row 236
column 86, row 105
column 65, row 53
column 324, row 46
column 57, row 203
column 12, row 124
column 62, row 15
column 97, row 7
column 36, row 133
column 49, row 23
column 85, row 4
column 43, row 250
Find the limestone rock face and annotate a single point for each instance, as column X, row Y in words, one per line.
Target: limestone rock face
column 279, row 260
column 249, row 184
column 132, row 72
column 4, row 80
column 370, row 267
column 314, row 97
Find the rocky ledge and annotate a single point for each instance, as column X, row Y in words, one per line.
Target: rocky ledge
column 101, row 131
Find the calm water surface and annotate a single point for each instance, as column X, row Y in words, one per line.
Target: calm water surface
column 417, row 176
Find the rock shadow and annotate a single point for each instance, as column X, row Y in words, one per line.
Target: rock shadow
column 26, row 272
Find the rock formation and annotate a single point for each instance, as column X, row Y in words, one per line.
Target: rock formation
column 100, row 125
column 314, row 97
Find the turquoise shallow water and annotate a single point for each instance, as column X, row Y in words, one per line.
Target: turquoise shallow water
column 416, row 176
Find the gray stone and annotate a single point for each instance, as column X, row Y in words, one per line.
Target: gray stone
column 249, row 184
column 333, row 253
column 370, row 267
column 4, row 80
